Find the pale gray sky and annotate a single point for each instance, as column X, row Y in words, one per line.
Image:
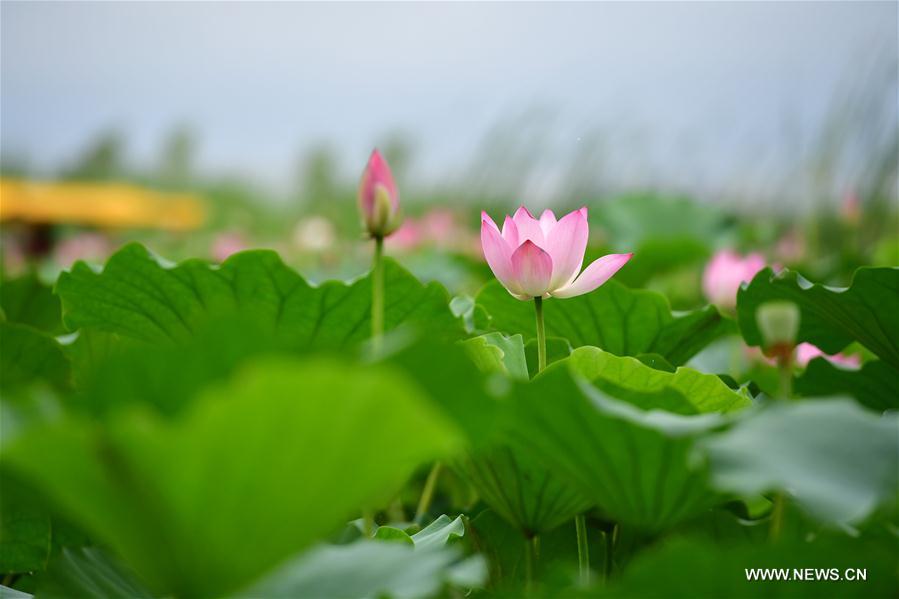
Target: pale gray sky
column 695, row 95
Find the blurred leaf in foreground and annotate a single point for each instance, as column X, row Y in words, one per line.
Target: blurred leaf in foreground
column 273, row 460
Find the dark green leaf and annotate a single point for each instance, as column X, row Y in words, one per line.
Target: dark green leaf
column 831, row 318
column 875, row 385
column 520, row 489
column 623, row 321
column 26, row 300
column 135, row 296
column 635, row 465
column 690, row 568
column 25, row 533
column 30, row 355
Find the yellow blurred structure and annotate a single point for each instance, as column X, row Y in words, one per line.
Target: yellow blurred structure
column 105, row 205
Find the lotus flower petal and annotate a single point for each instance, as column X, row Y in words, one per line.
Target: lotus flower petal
column 532, row 268
column 528, row 227
column 510, row 233
column 498, row 254
column 596, row 274
column 547, row 222
column 566, row 244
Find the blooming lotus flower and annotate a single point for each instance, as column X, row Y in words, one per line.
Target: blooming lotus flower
column 379, row 200
column 806, row 352
column 542, row 258
column 724, row 274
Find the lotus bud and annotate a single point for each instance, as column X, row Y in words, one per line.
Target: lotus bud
column 778, row 322
column 379, row 201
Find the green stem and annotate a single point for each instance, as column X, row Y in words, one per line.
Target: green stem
column 785, row 382
column 428, row 492
column 541, row 335
column 610, row 550
column 377, row 293
column 784, row 392
column 368, row 522
column 530, row 550
column 583, row 550
column 777, row 518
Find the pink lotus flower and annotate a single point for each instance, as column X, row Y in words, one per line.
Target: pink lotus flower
column 724, row 274
column 806, row 352
column 379, row 200
column 542, row 258
column 226, row 244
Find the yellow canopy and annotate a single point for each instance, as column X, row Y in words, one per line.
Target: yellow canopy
column 98, row 204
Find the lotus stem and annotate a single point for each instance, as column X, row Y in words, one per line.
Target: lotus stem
column 531, row 545
column 583, row 550
column 377, row 293
column 424, row 503
column 541, row 335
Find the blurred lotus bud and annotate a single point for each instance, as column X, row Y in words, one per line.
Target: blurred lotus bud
column 778, row 322
column 379, row 200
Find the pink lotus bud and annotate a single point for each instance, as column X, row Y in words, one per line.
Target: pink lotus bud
column 542, row 258
column 806, row 352
column 724, row 274
column 379, row 200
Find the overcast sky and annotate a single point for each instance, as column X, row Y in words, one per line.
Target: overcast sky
column 689, row 90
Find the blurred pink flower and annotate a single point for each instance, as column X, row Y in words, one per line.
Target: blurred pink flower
column 724, row 274
column 851, row 208
column 437, row 227
column 379, row 199
column 226, row 244
column 83, row 246
column 806, row 352
column 542, row 258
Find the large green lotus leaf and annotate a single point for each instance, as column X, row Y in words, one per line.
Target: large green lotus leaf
column 30, row 355
column 875, row 384
column 629, row 377
column 519, row 488
column 369, row 569
column 26, row 300
column 626, row 322
column 272, row 461
column 836, row 459
column 136, row 296
column 468, row 396
column 831, row 318
column 634, row 464
column 688, row 568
